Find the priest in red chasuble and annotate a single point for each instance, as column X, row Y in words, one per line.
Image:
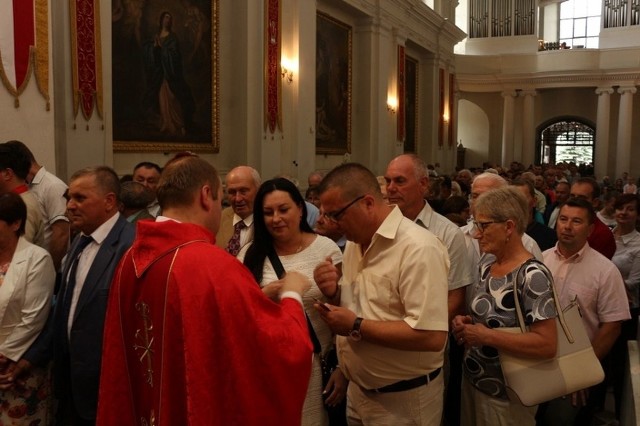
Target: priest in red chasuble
column 190, row 339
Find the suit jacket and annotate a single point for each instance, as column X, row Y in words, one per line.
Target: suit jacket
column 78, row 357
column 226, row 228
column 27, row 287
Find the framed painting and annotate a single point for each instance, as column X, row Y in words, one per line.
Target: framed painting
column 165, row 75
column 333, row 85
column 411, row 103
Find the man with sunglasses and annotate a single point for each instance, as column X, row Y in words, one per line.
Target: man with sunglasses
column 390, row 308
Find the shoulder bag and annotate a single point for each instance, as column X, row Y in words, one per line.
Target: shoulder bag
column 574, row 367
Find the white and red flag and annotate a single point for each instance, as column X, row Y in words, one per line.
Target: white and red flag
column 24, row 45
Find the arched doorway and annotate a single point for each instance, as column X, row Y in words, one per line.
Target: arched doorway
column 568, row 139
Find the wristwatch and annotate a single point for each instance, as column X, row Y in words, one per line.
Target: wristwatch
column 355, row 334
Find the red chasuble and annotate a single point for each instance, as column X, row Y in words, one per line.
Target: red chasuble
column 191, row 340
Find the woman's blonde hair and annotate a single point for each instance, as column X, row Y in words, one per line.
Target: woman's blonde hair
column 504, row 204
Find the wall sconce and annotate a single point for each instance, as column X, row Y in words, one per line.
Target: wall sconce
column 392, row 105
column 445, row 118
column 286, row 69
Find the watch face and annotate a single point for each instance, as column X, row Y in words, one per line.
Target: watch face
column 355, row 335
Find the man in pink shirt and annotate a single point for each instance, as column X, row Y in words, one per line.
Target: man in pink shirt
column 581, row 273
column 601, row 238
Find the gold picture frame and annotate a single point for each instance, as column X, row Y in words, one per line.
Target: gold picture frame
column 333, row 85
column 165, row 76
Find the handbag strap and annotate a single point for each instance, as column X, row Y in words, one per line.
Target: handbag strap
column 277, row 266
column 520, row 317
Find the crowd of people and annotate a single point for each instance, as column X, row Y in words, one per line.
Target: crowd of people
column 176, row 296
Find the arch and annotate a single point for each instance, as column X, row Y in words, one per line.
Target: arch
column 566, row 138
column 473, row 131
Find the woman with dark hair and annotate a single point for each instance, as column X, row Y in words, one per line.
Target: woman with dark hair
column 26, row 286
column 281, row 231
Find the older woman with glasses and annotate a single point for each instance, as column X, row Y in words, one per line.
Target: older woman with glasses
column 500, row 220
column 26, row 287
column 282, row 233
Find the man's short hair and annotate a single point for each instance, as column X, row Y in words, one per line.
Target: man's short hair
column 135, row 195
column 583, row 204
column 11, row 157
column 182, row 178
column 148, row 165
column 419, row 166
column 595, row 188
column 106, row 178
column 527, row 183
column 498, row 180
column 23, row 149
column 353, row 179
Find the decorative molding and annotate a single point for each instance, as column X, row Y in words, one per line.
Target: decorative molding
column 604, row 90
column 498, row 83
column 627, row 89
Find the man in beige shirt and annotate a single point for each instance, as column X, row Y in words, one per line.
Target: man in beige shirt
column 390, row 310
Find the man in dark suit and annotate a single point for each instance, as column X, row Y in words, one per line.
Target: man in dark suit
column 75, row 331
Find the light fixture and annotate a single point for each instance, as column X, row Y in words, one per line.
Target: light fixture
column 286, row 69
column 392, row 104
column 445, row 117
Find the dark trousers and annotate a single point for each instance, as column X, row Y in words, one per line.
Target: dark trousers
column 453, row 391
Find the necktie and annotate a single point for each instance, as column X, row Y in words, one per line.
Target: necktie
column 71, row 283
column 234, row 243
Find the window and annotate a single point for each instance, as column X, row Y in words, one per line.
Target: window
column 567, row 140
column 580, row 23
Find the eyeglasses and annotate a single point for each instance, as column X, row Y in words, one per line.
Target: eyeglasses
column 482, row 226
column 335, row 216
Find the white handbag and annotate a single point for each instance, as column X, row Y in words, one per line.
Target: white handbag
column 574, row 367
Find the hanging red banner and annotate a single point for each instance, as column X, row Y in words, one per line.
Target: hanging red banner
column 401, row 94
column 441, row 109
column 24, row 46
column 452, row 111
column 272, row 75
column 85, row 56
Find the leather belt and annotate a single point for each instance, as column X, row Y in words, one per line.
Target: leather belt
column 404, row 385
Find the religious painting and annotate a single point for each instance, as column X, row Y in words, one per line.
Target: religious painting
column 333, row 86
column 165, row 75
column 411, row 103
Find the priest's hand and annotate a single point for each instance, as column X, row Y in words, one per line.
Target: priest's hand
column 294, row 281
column 272, row 290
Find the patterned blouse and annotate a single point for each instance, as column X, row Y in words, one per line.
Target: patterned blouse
column 491, row 303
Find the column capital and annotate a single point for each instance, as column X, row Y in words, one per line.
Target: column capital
column 528, row 92
column 509, row 93
column 627, row 89
column 603, row 90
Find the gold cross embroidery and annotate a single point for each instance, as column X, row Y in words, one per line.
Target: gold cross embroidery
column 144, row 336
column 151, row 422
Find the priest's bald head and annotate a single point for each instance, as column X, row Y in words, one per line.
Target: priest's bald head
column 190, row 191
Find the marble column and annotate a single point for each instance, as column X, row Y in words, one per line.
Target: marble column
column 602, row 131
column 528, row 128
column 625, row 116
column 508, row 127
